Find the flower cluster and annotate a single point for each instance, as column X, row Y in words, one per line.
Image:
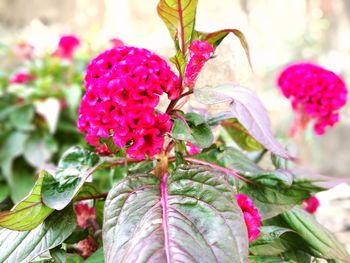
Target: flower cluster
column 311, row 204
column 123, row 86
column 251, row 216
column 66, row 46
column 200, row 52
column 314, row 92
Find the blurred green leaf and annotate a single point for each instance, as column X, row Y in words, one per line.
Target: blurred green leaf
column 22, row 118
column 58, row 254
column 97, row 257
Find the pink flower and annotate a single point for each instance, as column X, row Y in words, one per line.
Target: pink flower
column 24, row 50
column 123, row 86
column 87, row 247
column 21, row 78
column 200, row 52
column 311, row 204
column 192, row 149
column 66, row 46
column 84, row 214
column 251, row 216
column 315, row 93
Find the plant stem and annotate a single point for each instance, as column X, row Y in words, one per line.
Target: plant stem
column 93, row 197
column 219, row 168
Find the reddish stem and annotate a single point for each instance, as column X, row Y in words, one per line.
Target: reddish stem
column 219, row 168
column 99, row 196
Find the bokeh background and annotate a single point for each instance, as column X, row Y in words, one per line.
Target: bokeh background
column 278, row 31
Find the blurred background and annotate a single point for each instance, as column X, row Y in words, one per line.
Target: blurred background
column 278, row 32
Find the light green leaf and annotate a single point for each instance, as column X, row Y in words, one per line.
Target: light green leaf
column 320, row 242
column 22, row 118
column 179, row 17
column 29, row 213
column 24, row 246
column 97, row 257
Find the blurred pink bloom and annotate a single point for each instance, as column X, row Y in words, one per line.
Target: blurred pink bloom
column 66, row 46
column 311, row 204
column 315, row 93
column 192, row 149
column 200, row 52
column 21, row 78
column 24, row 50
column 123, row 86
column 84, row 214
column 251, row 216
column 116, row 42
column 87, row 247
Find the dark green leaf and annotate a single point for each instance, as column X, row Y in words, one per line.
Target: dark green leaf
column 4, row 192
column 24, row 246
column 29, row 213
column 190, row 217
column 73, row 170
column 78, row 235
column 192, row 128
column 268, row 259
column 179, row 17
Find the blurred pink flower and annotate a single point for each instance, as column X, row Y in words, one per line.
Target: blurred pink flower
column 24, row 50
column 200, row 52
column 116, row 42
column 66, row 46
column 21, row 78
column 315, row 94
column 123, row 86
column 192, row 149
column 311, row 204
column 87, row 247
column 251, row 216
column 84, row 214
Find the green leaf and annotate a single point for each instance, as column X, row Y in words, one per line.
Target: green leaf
column 193, row 128
column 268, row 259
column 269, row 242
column 29, row 213
column 241, row 136
column 58, row 254
column 179, row 17
column 39, row 149
column 97, row 257
column 190, row 216
column 12, row 147
column 215, row 38
column 4, row 192
column 22, row 117
column 78, row 235
column 320, row 242
column 24, row 246
column 74, row 168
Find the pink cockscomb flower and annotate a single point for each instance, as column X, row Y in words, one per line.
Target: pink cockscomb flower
column 21, row 78
column 192, row 149
column 251, row 216
column 315, row 93
column 66, row 46
column 311, row 204
column 123, row 86
column 200, row 52
column 85, row 214
column 87, row 246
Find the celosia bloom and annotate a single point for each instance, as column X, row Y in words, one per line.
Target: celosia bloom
column 315, row 93
column 200, row 52
column 84, row 214
column 311, row 204
column 87, row 247
column 21, row 78
column 66, row 46
column 123, row 86
column 251, row 216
